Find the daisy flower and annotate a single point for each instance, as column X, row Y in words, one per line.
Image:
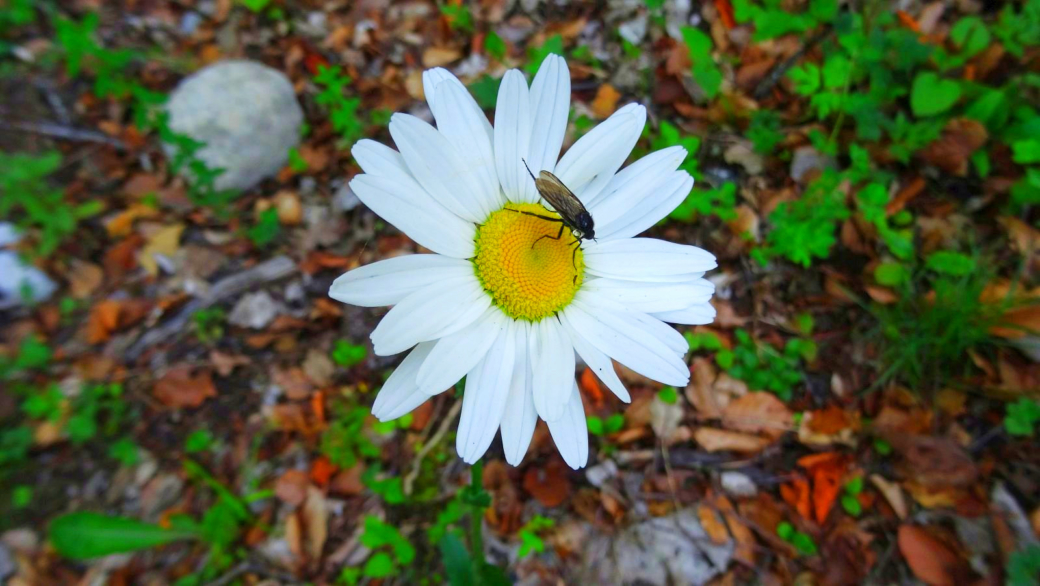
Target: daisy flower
column 501, row 301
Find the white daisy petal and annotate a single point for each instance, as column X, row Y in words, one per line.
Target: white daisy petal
column 388, row 281
column 513, row 137
column 651, row 297
column 437, row 310
column 550, row 107
column 464, row 127
column 570, row 433
column 484, row 401
column 624, row 337
column 400, row 394
column 407, row 206
column 379, row 160
column 630, row 188
column 455, row 355
column 438, row 166
column 599, row 362
column 520, row 417
column 591, row 162
column 645, row 259
column 695, row 315
column 432, row 78
column 552, row 358
column 650, row 325
column 659, row 205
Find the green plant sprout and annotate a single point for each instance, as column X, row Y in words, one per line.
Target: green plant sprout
column 209, row 324
column 37, row 208
column 535, row 55
column 850, row 498
column 346, row 354
column 530, row 541
column 600, row 427
column 704, row 70
column 802, row 542
column 342, row 110
column 763, row 367
column 1022, row 417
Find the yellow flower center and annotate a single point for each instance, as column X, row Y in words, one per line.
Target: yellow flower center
column 529, row 273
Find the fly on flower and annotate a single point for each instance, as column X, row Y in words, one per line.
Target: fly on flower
column 572, row 212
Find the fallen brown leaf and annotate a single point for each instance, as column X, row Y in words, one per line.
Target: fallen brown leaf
column 84, row 278
column 718, row 440
column 550, row 485
column 163, row 242
column 929, row 559
column 440, row 56
column 953, row 149
column 291, row 487
column 179, row 388
column 758, row 413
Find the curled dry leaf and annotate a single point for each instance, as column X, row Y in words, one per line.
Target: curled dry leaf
column 550, row 485
column 84, row 278
column 892, row 493
column 759, row 413
column 179, row 388
column 163, row 242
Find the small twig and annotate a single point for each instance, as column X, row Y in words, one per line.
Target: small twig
column 64, row 132
column 267, row 271
column 442, row 431
column 777, row 73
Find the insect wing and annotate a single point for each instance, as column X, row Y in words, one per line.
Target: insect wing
column 560, row 198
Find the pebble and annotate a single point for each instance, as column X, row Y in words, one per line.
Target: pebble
column 738, row 484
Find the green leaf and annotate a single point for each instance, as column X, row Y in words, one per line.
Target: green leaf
column 458, row 564
column 199, row 441
column 86, row 535
column 485, row 91
column 495, row 46
column 125, row 451
column 615, row 423
column 552, row 46
column 837, row 70
column 255, row 5
column 806, row 79
column 595, row 425
column 346, row 354
column 970, row 35
column 950, row 263
column 854, row 486
column 851, row 505
column 785, row 530
column 266, row 228
column 890, row 274
column 668, row 395
column 380, row 565
column 1026, row 151
column 1022, row 416
column 933, row 95
column 803, row 543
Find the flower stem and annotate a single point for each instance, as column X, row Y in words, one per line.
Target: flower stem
column 476, row 518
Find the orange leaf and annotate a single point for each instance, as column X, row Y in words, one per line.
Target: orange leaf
column 726, row 13
column 826, row 487
column 590, row 386
column 813, row 460
column 103, row 320
column 322, row 470
column 796, row 494
column 606, row 101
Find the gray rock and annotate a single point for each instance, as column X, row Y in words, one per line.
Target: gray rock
column 601, row 472
column 345, row 198
column 634, row 30
column 245, row 113
column 808, row 159
column 254, row 310
column 7, row 566
column 664, row 550
column 18, row 277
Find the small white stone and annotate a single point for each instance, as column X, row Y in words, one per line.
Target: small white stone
column 601, row 473
column 254, row 310
column 738, row 484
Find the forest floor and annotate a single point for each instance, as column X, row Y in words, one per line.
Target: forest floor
column 863, row 409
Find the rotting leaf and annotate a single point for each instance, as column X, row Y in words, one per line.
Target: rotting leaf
column 179, row 388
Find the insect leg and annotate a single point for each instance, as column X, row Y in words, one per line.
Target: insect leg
column 557, row 237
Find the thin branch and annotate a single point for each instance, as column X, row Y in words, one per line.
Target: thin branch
column 54, row 130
